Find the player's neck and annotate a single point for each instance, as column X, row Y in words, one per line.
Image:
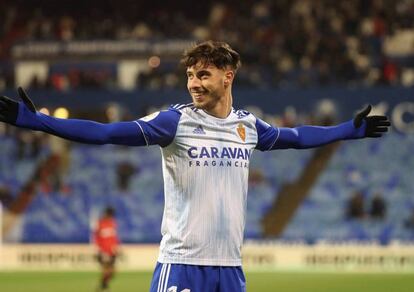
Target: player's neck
column 222, row 108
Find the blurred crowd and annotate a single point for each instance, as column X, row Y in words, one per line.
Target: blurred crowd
column 357, row 209
column 282, row 43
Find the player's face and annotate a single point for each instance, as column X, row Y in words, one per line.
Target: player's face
column 207, row 85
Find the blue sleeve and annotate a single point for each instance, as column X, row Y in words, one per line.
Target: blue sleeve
column 270, row 138
column 84, row 131
column 266, row 135
column 159, row 128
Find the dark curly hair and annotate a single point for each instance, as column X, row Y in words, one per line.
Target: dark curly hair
column 109, row 211
column 215, row 53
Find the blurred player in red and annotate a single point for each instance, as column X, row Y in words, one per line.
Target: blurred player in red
column 106, row 239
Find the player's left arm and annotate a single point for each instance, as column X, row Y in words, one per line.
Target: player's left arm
column 303, row 137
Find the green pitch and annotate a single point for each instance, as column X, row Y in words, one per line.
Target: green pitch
column 256, row 282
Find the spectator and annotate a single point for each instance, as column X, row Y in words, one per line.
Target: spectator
column 378, row 207
column 409, row 222
column 355, row 208
column 5, row 196
column 124, row 172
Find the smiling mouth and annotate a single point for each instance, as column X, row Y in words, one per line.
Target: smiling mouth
column 198, row 95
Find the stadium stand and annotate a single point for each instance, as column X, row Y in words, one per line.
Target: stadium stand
column 323, row 215
column 24, row 151
column 346, row 42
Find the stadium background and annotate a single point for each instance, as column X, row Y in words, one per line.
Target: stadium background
column 338, row 218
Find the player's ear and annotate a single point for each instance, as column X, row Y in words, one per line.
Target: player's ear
column 228, row 77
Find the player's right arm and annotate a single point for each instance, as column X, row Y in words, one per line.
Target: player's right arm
column 133, row 133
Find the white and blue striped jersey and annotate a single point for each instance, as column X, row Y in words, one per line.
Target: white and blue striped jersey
column 205, row 163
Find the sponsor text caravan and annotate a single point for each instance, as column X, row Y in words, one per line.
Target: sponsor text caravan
column 221, row 157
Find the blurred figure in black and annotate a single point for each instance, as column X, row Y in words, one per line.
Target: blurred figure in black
column 5, row 196
column 355, row 208
column 409, row 222
column 124, row 172
column 378, row 207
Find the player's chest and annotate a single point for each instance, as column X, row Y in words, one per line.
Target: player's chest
column 224, row 143
column 216, row 134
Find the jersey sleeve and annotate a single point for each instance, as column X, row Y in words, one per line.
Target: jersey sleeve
column 266, row 135
column 84, row 131
column 160, row 127
column 303, row 137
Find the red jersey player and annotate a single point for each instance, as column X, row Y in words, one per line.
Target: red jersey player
column 106, row 239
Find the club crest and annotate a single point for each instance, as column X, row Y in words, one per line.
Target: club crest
column 241, row 130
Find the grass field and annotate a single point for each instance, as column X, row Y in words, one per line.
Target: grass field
column 256, row 282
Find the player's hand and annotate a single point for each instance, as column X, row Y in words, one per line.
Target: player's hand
column 9, row 108
column 375, row 125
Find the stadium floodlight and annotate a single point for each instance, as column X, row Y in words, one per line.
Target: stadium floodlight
column 61, row 113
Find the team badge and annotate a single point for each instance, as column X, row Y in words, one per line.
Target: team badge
column 241, row 130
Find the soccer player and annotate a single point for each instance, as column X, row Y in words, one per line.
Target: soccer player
column 206, row 148
column 106, row 239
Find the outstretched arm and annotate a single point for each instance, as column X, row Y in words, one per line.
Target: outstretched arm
column 313, row 136
column 23, row 114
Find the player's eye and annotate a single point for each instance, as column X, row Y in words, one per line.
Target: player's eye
column 203, row 75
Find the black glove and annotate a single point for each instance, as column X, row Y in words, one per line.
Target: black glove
column 9, row 108
column 376, row 125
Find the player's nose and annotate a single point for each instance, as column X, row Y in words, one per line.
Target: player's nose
column 194, row 83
